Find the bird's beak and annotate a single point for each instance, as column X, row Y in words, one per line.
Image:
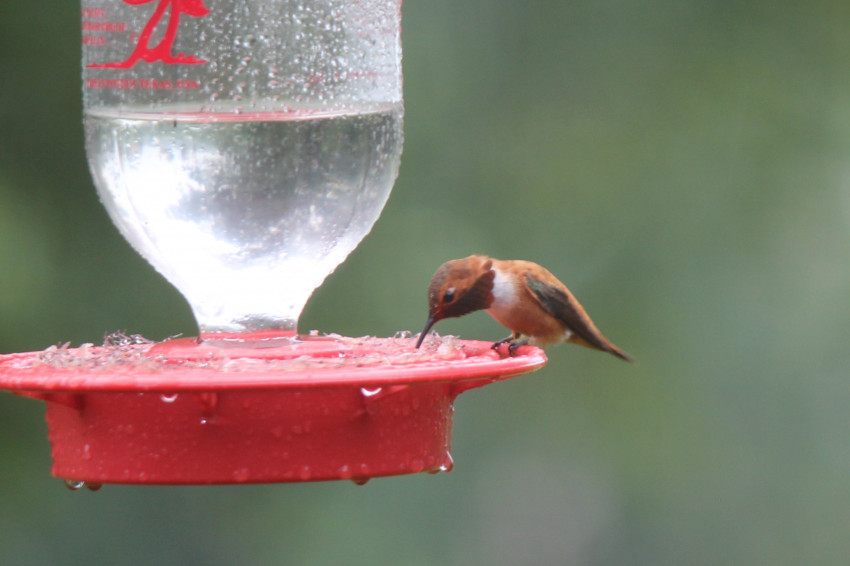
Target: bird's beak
column 428, row 325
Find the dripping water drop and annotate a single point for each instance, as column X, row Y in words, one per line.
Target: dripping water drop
column 74, row 485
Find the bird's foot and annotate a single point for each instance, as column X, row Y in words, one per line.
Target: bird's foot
column 512, row 342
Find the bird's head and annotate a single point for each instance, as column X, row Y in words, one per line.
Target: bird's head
column 459, row 287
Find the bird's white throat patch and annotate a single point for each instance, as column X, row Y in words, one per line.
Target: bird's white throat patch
column 503, row 290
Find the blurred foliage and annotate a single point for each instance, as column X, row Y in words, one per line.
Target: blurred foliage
column 682, row 166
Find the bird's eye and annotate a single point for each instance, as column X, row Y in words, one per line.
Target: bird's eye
column 449, row 295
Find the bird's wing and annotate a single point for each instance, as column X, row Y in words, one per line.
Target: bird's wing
column 564, row 307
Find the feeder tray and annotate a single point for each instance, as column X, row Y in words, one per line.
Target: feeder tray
column 185, row 412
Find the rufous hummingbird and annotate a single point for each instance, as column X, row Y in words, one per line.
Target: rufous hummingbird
column 521, row 295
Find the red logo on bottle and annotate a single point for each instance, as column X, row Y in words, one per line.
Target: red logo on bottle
column 161, row 51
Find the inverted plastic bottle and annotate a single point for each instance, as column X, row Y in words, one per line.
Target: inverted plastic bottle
column 244, row 148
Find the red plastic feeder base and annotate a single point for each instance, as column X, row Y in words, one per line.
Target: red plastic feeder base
column 179, row 412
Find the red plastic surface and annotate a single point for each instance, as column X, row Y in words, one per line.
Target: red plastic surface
column 179, row 412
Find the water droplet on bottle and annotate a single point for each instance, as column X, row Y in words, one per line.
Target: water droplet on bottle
column 168, row 397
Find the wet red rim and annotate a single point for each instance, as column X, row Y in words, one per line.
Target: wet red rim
column 187, row 365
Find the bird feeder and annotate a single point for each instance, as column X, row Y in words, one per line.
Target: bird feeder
column 245, row 149
column 182, row 412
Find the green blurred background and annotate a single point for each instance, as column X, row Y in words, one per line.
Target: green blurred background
column 684, row 166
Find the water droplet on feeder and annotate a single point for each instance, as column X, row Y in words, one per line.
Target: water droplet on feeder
column 168, row 398
column 360, row 481
column 208, row 401
column 93, row 486
column 449, row 463
column 74, row 485
column 369, row 392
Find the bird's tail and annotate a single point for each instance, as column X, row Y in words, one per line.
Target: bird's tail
column 597, row 341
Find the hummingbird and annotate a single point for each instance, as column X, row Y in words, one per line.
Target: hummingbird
column 521, row 295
